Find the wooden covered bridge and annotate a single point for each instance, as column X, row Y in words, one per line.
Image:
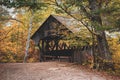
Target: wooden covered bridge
column 50, row 37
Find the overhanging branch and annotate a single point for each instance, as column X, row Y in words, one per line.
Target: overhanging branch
column 86, row 25
column 5, row 19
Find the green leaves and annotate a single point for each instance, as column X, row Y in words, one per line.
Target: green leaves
column 118, row 23
column 32, row 4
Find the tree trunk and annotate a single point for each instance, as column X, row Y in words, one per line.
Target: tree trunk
column 28, row 38
column 103, row 46
column 103, row 49
column 93, row 51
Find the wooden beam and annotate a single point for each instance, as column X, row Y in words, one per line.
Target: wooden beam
column 40, row 54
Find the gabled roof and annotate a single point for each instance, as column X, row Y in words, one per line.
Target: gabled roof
column 71, row 24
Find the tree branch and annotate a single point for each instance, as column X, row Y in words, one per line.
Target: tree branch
column 5, row 19
column 6, row 34
column 86, row 25
column 85, row 11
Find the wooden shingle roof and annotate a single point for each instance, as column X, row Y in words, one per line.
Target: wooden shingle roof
column 69, row 22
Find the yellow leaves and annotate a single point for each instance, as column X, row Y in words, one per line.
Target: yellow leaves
column 31, row 60
column 115, row 49
column 8, row 47
column 13, row 47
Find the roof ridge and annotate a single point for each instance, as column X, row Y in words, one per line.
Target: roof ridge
column 55, row 15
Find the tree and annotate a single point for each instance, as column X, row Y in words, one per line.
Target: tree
column 32, row 5
column 28, row 38
column 90, row 14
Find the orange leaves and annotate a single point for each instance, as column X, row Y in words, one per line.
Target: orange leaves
column 12, row 42
column 13, row 36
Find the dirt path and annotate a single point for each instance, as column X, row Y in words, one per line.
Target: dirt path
column 48, row 71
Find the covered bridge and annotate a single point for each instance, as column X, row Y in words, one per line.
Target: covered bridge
column 49, row 35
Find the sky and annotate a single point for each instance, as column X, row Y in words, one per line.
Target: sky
column 11, row 11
